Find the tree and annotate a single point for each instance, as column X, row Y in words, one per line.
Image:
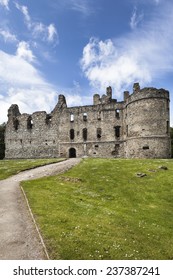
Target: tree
column 171, row 132
column 2, row 143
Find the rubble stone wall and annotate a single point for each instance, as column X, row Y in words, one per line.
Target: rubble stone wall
column 137, row 127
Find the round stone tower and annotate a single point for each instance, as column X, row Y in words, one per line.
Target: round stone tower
column 147, row 123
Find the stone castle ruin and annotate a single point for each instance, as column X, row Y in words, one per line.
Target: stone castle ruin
column 137, row 127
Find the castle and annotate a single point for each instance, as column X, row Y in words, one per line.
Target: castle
column 137, row 127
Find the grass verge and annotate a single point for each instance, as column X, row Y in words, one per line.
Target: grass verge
column 12, row 167
column 100, row 209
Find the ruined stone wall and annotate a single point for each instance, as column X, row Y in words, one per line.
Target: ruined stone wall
column 33, row 138
column 135, row 127
column 147, row 124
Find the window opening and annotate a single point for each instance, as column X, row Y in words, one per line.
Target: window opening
column 99, row 133
column 16, row 124
column 85, row 134
column 145, row 147
column 167, row 127
column 72, row 117
column 117, row 131
column 99, row 116
column 48, row 119
column 29, row 123
column 117, row 113
column 85, row 117
column 71, row 134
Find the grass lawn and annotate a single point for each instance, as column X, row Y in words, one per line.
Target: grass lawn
column 12, row 167
column 100, row 209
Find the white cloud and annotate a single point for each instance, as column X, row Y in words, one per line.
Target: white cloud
column 135, row 19
column 143, row 55
column 24, row 11
column 4, row 3
column 24, row 51
column 38, row 29
column 52, row 33
column 8, row 36
column 22, row 84
column 81, row 6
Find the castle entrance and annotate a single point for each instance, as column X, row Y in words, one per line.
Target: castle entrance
column 72, row 153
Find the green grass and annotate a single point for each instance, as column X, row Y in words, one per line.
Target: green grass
column 100, row 209
column 12, row 167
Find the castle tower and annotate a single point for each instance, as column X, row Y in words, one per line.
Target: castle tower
column 147, row 123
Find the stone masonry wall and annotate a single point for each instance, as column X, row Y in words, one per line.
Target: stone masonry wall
column 135, row 127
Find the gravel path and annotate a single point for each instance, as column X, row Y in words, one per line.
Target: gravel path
column 19, row 239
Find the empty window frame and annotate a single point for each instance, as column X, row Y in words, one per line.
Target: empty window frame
column 29, row 123
column 72, row 117
column 167, row 127
column 117, row 113
column 85, row 117
column 48, row 119
column 99, row 115
column 85, row 134
column 72, row 134
column 16, row 124
column 117, row 131
column 99, row 133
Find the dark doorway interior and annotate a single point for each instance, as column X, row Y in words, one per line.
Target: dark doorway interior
column 72, row 153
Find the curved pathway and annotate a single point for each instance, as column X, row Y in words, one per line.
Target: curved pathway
column 19, row 239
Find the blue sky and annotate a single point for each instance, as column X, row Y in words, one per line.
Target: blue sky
column 79, row 47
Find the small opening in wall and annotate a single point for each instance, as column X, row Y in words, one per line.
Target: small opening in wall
column 85, row 134
column 96, row 146
column 167, row 127
column 16, row 124
column 99, row 133
column 145, row 147
column 85, row 117
column 71, row 134
column 117, row 113
column 29, row 123
column 21, row 141
column 72, row 117
column 48, row 119
column 99, row 116
column 117, row 131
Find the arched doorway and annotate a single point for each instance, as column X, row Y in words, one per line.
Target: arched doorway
column 72, row 153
